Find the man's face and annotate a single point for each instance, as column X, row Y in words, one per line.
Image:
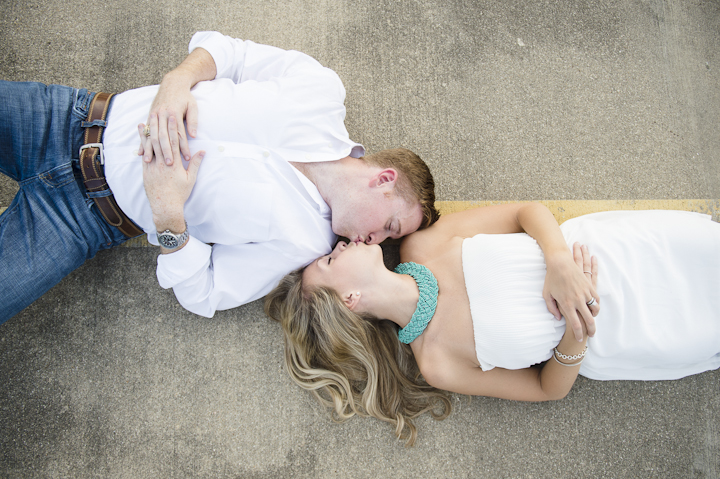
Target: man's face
column 372, row 217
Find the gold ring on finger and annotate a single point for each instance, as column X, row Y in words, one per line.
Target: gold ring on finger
column 146, row 130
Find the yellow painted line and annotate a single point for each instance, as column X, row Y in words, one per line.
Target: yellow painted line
column 562, row 209
column 565, row 209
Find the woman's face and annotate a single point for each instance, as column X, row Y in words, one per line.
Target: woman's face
column 348, row 268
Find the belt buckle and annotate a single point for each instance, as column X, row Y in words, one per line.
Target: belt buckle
column 99, row 146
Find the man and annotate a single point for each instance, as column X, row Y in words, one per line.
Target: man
column 276, row 161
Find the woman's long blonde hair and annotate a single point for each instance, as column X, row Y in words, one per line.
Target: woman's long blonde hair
column 352, row 363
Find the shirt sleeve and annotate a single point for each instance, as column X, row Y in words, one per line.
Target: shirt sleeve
column 223, row 276
column 243, row 60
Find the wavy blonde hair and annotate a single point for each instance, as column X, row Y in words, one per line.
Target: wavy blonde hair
column 353, row 364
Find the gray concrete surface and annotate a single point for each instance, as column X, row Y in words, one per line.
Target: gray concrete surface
column 107, row 376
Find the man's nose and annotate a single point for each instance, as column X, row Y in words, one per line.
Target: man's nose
column 376, row 238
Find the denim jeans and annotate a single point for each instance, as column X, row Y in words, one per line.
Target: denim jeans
column 51, row 227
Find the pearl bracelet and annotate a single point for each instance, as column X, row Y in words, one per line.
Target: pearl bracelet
column 581, row 356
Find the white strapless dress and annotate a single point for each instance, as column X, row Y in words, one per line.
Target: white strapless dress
column 659, row 288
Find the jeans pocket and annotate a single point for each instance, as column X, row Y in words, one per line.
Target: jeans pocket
column 58, row 176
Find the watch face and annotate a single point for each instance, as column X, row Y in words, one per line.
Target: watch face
column 168, row 241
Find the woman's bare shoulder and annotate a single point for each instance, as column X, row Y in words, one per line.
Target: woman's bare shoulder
column 424, row 245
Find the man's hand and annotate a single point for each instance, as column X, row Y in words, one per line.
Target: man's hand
column 173, row 102
column 169, row 186
column 567, row 290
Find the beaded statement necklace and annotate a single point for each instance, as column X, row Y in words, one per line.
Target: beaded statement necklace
column 428, row 287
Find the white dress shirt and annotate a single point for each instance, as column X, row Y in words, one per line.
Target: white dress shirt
column 252, row 216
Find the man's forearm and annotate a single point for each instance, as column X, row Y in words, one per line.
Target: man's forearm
column 198, row 66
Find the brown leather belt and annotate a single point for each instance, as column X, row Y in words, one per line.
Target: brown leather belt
column 92, row 161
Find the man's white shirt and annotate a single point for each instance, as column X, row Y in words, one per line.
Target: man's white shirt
column 252, row 217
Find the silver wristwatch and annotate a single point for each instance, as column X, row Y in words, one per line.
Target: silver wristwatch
column 172, row 241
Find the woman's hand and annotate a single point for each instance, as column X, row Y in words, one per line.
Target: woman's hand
column 567, row 291
column 589, row 266
column 169, row 186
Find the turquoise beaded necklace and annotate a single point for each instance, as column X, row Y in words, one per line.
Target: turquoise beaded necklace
column 428, row 287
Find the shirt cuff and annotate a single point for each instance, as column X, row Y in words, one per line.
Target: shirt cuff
column 174, row 268
column 222, row 49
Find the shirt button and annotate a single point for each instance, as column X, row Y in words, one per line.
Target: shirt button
column 135, row 152
column 308, row 157
column 266, row 154
column 221, row 148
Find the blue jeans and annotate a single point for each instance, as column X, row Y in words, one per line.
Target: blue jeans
column 51, row 227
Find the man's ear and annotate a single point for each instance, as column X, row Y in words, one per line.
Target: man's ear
column 386, row 177
column 351, row 300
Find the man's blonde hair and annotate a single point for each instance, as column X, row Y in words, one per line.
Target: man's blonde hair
column 415, row 182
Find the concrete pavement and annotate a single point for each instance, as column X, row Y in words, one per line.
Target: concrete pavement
column 108, row 376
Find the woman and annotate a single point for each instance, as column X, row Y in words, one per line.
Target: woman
column 658, row 290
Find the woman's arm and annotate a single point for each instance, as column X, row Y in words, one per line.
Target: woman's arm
column 566, row 291
column 553, row 381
